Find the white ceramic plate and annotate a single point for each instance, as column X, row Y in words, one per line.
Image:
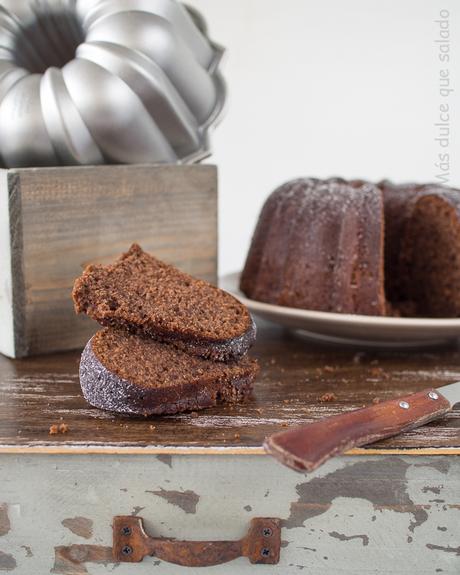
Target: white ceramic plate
column 351, row 329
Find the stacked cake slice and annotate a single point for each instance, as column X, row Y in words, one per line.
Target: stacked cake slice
column 171, row 342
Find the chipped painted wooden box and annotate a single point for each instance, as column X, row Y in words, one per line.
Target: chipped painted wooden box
column 390, row 509
column 52, row 218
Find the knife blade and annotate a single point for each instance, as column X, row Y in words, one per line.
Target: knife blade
column 307, row 447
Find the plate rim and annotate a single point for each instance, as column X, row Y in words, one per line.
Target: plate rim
column 230, row 283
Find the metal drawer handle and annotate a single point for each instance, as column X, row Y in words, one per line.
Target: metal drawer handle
column 131, row 544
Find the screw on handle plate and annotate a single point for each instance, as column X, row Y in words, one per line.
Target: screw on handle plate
column 261, row 545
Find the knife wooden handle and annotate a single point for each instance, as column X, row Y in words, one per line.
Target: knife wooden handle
column 307, row 447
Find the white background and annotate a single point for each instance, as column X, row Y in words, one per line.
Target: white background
column 326, row 87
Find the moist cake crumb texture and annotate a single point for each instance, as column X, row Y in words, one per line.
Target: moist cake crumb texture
column 131, row 374
column 143, row 295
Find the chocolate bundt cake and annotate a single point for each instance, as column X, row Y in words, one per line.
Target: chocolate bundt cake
column 355, row 247
column 319, row 245
column 131, row 374
column 143, row 295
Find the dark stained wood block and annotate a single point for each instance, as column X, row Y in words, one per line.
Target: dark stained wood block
column 55, row 221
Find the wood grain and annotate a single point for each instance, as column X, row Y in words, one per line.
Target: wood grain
column 6, row 287
column 41, row 391
column 62, row 219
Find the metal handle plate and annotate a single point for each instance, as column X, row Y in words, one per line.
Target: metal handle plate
column 261, row 545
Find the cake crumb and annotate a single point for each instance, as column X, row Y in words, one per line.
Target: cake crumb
column 285, row 425
column 152, row 427
column 193, row 414
column 378, row 372
column 328, row 369
column 376, row 400
column 237, row 436
column 328, row 396
column 358, row 357
column 58, row 428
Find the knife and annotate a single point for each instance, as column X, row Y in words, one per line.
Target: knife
column 307, row 447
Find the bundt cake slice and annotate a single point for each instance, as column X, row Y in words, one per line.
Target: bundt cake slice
column 130, row 374
column 319, row 245
column 145, row 296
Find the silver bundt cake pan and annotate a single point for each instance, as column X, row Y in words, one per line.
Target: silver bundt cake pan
column 105, row 81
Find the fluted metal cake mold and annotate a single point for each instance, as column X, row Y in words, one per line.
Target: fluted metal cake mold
column 86, row 82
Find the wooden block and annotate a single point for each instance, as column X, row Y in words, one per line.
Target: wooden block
column 55, row 221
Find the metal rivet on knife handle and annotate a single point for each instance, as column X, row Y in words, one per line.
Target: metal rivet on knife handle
column 404, row 404
column 433, row 395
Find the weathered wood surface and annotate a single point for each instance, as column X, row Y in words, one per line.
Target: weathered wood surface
column 372, row 515
column 38, row 392
column 58, row 220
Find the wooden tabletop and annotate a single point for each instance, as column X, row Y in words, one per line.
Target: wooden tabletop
column 295, row 380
